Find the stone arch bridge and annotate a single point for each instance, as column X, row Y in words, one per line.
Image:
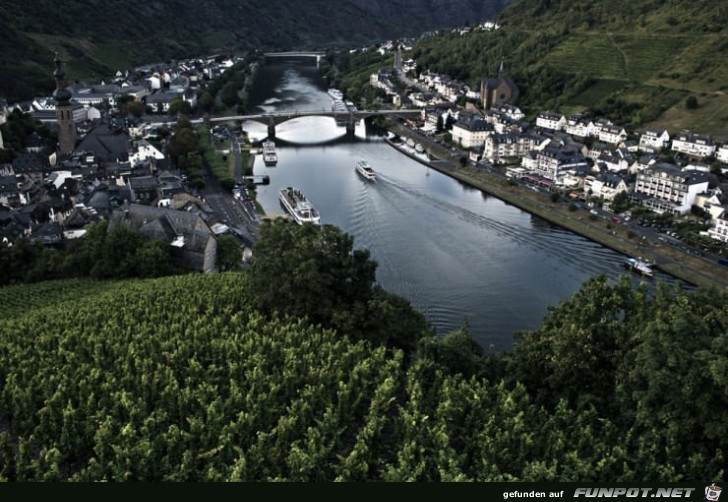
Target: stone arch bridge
column 271, row 120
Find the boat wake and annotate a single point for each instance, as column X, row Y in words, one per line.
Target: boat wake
column 546, row 238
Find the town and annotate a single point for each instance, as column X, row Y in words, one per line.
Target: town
column 111, row 161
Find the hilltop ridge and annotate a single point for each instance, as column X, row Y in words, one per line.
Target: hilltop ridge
column 101, row 38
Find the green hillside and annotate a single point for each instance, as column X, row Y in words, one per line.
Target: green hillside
column 190, row 378
column 635, row 61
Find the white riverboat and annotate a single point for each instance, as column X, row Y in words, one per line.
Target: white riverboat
column 365, row 169
column 270, row 157
column 298, row 206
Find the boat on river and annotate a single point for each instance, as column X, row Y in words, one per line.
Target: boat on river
column 640, row 266
column 298, row 206
column 270, row 157
column 365, row 169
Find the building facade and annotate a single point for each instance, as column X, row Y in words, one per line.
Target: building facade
column 667, row 188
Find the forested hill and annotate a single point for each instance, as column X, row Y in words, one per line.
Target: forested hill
column 100, row 38
column 220, row 377
column 635, row 61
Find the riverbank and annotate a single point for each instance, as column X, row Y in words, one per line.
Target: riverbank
column 688, row 268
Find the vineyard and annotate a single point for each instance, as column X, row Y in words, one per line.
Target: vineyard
column 178, row 379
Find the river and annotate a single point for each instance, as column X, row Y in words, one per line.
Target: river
column 453, row 251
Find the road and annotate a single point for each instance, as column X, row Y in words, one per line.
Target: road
column 238, row 214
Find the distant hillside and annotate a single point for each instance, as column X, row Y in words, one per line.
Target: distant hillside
column 98, row 38
column 636, row 61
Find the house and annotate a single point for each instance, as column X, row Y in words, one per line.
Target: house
column 654, row 140
column 693, row 144
column 160, row 101
column 193, row 243
column 550, row 120
column 74, row 226
column 107, row 144
column 501, row 148
column 143, row 189
column 142, row 151
column 614, row 135
column 48, row 234
column 575, row 178
column 721, row 154
column 579, row 126
column 470, row 130
column 719, row 231
column 554, row 161
column 667, row 188
column 714, row 202
column 32, row 165
column 509, row 110
column 616, row 160
column 95, row 94
column 14, row 224
column 605, row 185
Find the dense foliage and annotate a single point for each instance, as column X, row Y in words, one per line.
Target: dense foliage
column 182, row 378
column 101, row 254
column 319, row 275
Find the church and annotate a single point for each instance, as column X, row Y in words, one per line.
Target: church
column 498, row 91
column 64, row 115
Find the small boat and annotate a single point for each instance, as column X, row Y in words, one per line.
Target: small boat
column 365, row 169
column 270, row 157
column 298, row 206
column 640, row 266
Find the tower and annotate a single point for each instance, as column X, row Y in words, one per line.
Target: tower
column 64, row 114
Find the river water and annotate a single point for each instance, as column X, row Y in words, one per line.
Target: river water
column 454, row 252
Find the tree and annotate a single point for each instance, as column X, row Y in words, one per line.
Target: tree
column 229, row 255
column 691, row 103
column 574, row 354
column 179, row 106
column 621, row 202
column 311, row 271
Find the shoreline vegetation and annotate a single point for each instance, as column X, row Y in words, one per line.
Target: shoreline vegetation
column 687, row 268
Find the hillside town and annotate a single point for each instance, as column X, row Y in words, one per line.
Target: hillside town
column 110, row 166
column 672, row 174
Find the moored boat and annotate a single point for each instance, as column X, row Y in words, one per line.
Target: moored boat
column 365, row 169
column 640, row 266
column 298, row 206
column 336, row 94
column 270, row 157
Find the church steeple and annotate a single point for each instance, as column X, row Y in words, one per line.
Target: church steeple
column 61, row 94
column 64, row 113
